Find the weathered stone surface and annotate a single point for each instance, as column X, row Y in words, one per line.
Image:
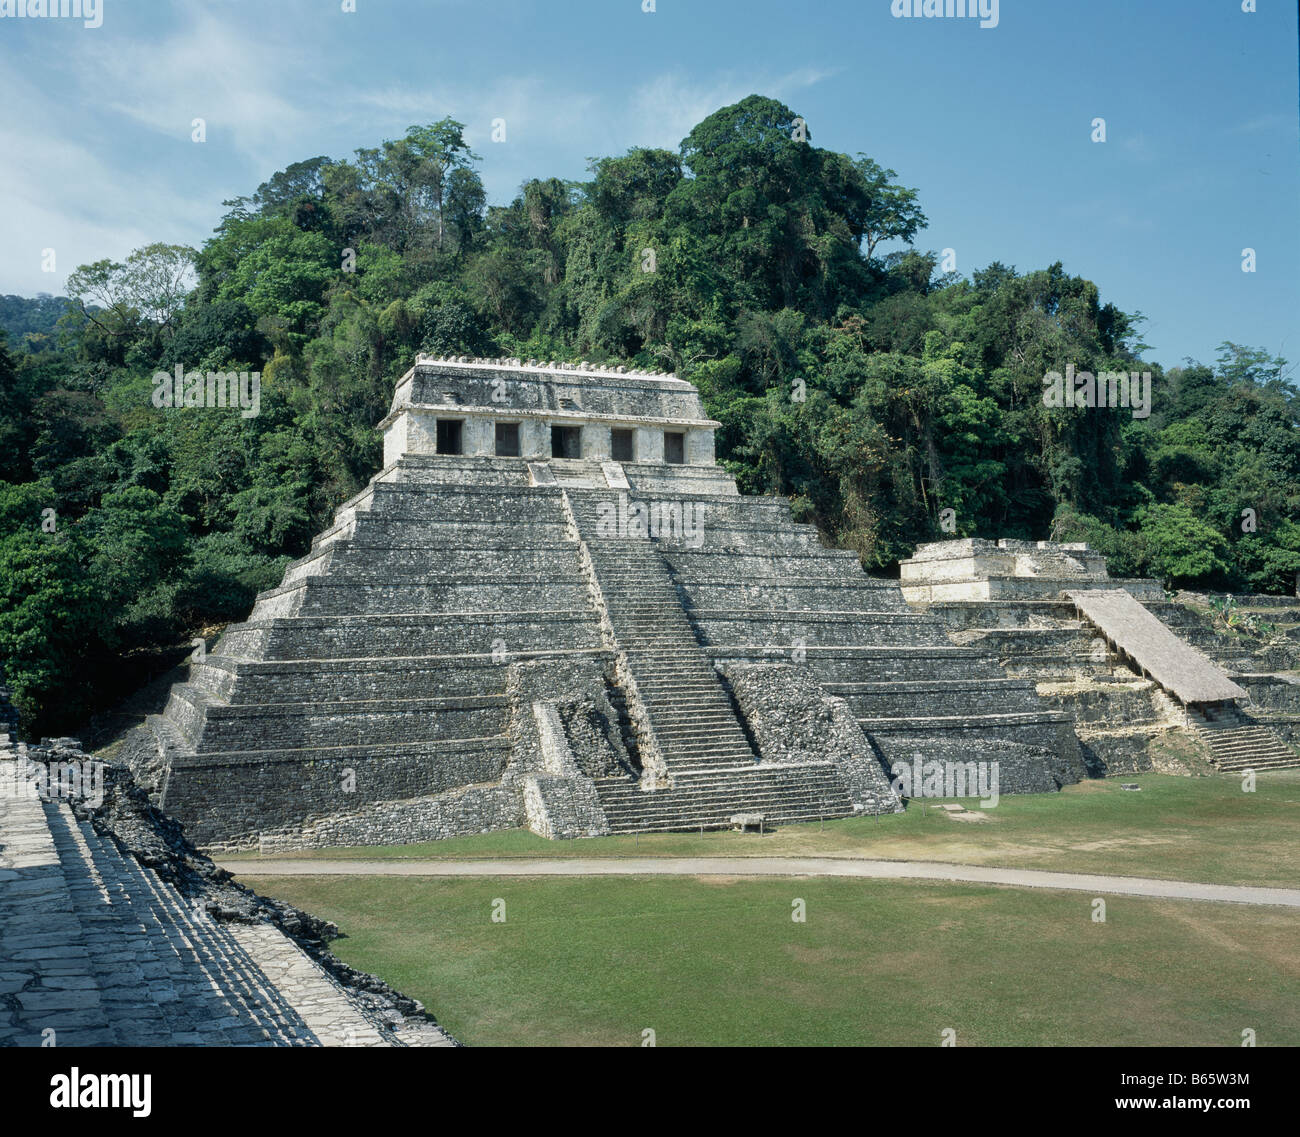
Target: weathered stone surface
column 115, row 931
column 792, row 720
column 973, row 568
column 1135, row 706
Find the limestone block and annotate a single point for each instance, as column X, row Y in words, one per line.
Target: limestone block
column 421, row 433
column 595, row 441
column 395, row 439
column 563, row 807
column 534, row 439
column 648, row 445
column 478, row 439
column 699, row 447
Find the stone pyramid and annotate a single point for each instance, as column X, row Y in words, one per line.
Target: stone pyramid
column 553, row 608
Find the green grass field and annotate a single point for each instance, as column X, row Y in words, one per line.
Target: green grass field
column 720, row 961
column 1201, row 829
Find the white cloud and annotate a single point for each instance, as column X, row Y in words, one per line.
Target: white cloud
column 565, row 125
column 534, row 110
column 208, row 69
column 664, row 109
column 60, row 194
column 1267, row 122
column 97, row 174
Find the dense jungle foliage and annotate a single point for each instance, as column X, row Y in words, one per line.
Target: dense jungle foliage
column 872, row 389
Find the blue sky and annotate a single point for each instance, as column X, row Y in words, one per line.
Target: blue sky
column 991, row 125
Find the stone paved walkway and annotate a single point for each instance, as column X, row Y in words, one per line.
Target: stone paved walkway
column 781, row 866
column 98, row 950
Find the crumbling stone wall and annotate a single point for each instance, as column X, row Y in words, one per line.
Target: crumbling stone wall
column 791, row 720
column 564, row 732
column 579, row 690
column 1022, row 768
column 563, row 807
column 458, row 813
column 232, row 798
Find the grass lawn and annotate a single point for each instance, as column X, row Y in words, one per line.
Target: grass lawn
column 718, row 961
column 1201, row 829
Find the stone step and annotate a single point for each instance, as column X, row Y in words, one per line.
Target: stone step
column 933, row 722
column 1234, row 740
column 707, row 747
column 646, row 618
column 712, row 786
column 1248, row 755
column 688, row 760
column 676, row 809
column 668, row 816
column 702, row 717
column 674, row 682
column 50, row 981
column 711, row 708
column 683, row 734
column 681, row 696
column 813, row 777
column 663, row 628
column 152, row 976
column 1259, row 764
column 1236, row 744
column 708, row 741
column 810, row 789
column 650, row 673
column 682, row 766
column 620, row 598
column 694, row 687
column 674, row 696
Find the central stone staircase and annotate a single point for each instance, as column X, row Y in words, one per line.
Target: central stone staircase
column 711, row 763
column 690, row 713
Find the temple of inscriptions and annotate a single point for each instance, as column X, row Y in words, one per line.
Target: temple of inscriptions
column 552, row 608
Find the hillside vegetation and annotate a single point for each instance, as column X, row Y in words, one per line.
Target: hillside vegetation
column 871, row 388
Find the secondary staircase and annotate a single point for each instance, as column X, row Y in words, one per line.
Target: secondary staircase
column 163, row 972
column 713, row 768
column 1237, row 743
column 101, row 950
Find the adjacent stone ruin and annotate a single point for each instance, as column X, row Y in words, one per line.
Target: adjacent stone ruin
column 1149, row 681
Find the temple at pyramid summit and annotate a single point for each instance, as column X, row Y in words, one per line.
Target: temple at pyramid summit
column 552, row 608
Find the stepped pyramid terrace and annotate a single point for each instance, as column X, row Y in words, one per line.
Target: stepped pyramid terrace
column 553, row 608
column 1135, row 669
